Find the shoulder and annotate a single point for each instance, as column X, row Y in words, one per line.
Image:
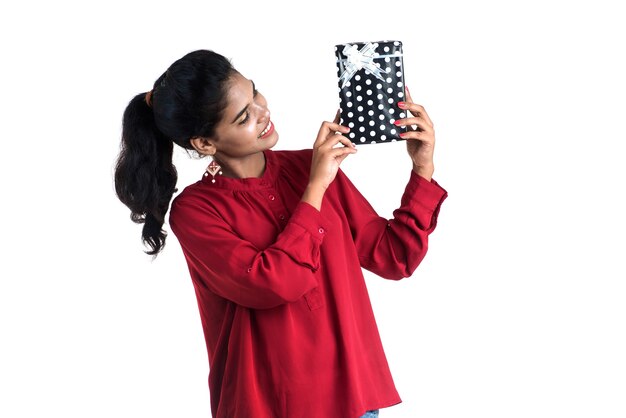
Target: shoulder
column 190, row 193
column 193, row 203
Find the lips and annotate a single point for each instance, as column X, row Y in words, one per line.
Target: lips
column 267, row 131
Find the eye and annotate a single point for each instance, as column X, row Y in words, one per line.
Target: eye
column 244, row 120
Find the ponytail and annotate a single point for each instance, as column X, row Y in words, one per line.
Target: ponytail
column 145, row 178
column 187, row 101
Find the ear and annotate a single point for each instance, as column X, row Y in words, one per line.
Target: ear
column 204, row 145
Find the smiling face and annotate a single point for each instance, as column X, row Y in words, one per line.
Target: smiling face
column 245, row 128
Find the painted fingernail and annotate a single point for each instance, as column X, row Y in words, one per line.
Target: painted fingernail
column 402, row 104
column 397, row 122
column 402, row 134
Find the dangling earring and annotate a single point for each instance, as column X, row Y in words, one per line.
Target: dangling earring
column 213, row 169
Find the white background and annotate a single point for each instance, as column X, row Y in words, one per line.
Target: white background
column 518, row 309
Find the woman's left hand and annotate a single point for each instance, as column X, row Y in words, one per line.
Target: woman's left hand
column 420, row 137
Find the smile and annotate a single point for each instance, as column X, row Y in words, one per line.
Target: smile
column 268, row 130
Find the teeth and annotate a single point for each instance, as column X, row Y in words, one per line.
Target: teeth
column 267, row 128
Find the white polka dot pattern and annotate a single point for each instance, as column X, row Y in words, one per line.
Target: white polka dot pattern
column 375, row 100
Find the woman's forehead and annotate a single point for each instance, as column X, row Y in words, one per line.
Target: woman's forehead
column 240, row 93
column 239, row 88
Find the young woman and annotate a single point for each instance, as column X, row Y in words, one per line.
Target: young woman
column 274, row 241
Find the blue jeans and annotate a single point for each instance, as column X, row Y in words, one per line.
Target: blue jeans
column 370, row 414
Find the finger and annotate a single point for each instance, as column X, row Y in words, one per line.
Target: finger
column 337, row 116
column 420, row 109
column 416, row 110
column 343, row 140
column 329, row 128
column 414, row 123
column 342, row 153
column 343, row 157
column 408, row 94
column 420, row 136
column 338, row 141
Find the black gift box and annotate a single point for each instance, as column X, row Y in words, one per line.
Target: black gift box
column 371, row 83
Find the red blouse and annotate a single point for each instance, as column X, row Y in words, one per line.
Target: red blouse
column 285, row 311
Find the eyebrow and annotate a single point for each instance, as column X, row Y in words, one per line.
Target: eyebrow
column 245, row 108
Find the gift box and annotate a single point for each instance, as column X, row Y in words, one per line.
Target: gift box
column 371, row 83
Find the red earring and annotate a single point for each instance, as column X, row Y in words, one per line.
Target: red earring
column 213, row 169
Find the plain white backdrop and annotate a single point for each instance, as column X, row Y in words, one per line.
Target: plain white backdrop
column 518, row 309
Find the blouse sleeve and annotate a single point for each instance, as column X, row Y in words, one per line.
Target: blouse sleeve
column 393, row 248
column 235, row 269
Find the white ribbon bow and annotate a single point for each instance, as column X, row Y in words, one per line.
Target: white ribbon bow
column 359, row 59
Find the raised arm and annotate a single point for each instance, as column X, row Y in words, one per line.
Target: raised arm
column 394, row 248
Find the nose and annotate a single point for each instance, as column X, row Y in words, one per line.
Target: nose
column 264, row 115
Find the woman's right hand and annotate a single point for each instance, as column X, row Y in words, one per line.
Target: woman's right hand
column 327, row 156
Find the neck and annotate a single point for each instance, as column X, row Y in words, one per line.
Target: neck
column 242, row 167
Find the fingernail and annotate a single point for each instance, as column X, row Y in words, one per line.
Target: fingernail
column 402, row 134
column 401, row 104
column 397, row 122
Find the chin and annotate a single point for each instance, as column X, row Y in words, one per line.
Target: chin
column 271, row 141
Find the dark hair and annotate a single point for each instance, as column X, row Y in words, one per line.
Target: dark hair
column 187, row 101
